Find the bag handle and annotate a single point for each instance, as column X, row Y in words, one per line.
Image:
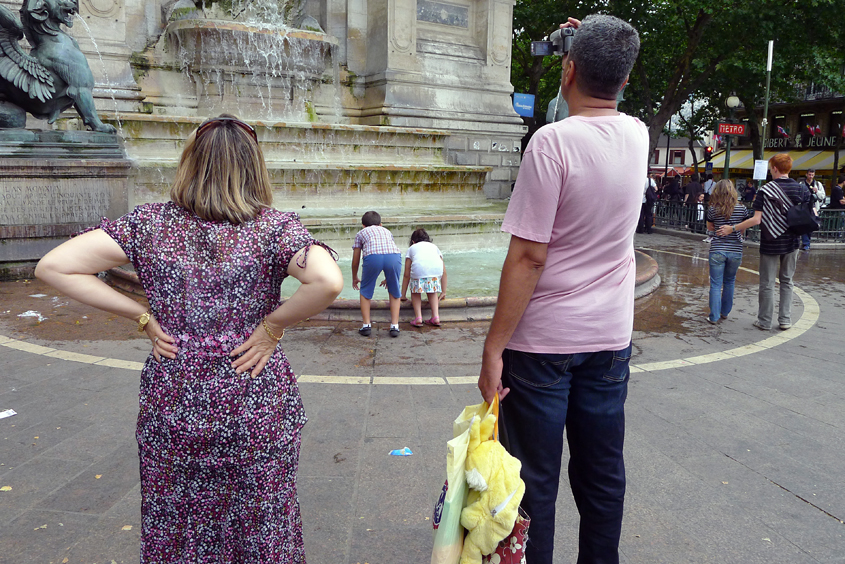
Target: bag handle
column 494, row 410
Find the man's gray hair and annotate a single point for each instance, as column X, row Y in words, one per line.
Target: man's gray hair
column 603, row 49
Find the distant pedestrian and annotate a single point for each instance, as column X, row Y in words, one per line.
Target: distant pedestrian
column 692, row 190
column 673, row 191
column 425, row 273
column 817, row 197
column 837, row 202
column 778, row 246
column 725, row 251
column 646, row 221
column 709, row 184
column 750, row 190
column 380, row 253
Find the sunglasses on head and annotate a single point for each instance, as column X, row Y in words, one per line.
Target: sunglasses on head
column 212, row 122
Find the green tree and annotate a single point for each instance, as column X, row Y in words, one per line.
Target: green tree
column 710, row 48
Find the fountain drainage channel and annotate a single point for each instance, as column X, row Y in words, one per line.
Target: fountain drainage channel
column 472, row 284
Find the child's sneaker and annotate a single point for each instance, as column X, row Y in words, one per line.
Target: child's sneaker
column 365, row 330
column 394, row 330
column 707, row 239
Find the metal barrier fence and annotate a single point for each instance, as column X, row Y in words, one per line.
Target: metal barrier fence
column 676, row 215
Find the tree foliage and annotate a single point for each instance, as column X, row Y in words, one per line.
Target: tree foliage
column 700, row 49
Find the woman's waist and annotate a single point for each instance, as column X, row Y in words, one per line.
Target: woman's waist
column 220, row 344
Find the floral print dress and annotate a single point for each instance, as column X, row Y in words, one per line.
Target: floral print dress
column 219, row 451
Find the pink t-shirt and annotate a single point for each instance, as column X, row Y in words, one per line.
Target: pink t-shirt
column 580, row 189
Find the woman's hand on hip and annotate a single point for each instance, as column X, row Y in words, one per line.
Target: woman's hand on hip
column 163, row 344
column 256, row 352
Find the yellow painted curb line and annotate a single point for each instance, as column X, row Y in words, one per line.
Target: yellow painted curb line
column 807, row 320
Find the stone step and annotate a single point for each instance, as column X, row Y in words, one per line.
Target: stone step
column 340, row 189
column 158, row 140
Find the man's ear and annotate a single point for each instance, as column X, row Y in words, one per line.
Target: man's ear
column 568, row 72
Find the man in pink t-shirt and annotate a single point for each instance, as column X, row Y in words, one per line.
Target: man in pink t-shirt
column 560, row 342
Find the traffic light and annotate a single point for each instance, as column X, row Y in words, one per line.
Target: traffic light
column 708, row 153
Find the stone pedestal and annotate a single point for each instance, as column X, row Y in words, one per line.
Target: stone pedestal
column 54, row 184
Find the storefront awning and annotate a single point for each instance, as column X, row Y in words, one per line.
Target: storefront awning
column 801, row 160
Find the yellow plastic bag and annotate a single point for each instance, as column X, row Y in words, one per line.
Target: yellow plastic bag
column 448, row 532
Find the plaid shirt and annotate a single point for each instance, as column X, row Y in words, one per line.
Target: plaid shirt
column 375, row 240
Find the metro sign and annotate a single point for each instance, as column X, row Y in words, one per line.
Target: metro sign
column 731, row 129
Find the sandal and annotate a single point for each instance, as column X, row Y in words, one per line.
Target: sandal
column 417, row 322
column 434, row 321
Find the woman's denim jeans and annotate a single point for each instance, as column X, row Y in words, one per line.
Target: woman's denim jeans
column 585, row 394
column 723, row 268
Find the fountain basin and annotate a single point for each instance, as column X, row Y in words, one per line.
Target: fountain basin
column 221, row 45
column 470, row 271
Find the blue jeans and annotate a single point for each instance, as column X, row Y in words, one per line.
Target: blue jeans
column 723, row 267
column 585, row 395
column 805, row 241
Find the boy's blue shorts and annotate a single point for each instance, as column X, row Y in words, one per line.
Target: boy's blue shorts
column 374, row 265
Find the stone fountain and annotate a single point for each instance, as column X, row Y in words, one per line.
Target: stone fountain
column 398, row 105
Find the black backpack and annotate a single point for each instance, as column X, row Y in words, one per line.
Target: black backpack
column 801, row 217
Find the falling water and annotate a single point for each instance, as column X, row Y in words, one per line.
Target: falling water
column 105, row 72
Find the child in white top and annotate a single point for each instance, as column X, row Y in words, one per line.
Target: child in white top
column 425, row 272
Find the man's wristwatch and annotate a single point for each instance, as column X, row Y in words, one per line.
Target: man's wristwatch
column 143, row 320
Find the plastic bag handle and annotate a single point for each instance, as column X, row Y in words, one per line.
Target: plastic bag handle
column 494, row 409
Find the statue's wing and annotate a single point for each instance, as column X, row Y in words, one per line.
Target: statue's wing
column 21, row 69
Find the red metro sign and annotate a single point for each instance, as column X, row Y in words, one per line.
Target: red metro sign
column 731, row 129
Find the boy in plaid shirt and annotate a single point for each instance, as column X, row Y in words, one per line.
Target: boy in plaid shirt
column 380, row 255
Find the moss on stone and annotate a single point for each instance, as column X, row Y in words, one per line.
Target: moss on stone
column 312, row 113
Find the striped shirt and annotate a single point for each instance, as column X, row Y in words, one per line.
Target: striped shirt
column 733, row 242
column 786, row 242
column 375, row 240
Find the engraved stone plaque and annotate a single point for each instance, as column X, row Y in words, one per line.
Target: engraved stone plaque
column 442, row 13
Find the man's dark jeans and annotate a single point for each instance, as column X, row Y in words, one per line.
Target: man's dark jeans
column 585, row 393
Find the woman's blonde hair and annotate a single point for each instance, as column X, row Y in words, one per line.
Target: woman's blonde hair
column 222, row 175
column 724, row 198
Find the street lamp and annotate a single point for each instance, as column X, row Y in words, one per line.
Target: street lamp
column 732, row 102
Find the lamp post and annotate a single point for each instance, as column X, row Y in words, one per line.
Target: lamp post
column 732, row 102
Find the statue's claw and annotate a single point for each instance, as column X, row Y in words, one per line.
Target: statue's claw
column 106, row 128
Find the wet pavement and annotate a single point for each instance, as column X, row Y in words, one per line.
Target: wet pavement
column 734, row 449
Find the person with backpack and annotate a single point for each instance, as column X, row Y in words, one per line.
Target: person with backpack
column 778, row 245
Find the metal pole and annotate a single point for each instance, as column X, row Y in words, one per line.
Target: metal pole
column 727, row 171
column 766, row 105
column 668, row 131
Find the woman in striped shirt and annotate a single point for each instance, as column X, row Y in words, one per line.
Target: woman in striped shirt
column 725, row 252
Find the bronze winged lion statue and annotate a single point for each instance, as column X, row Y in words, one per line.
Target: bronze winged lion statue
column 53, row 76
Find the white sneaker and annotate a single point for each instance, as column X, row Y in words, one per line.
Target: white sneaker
column 707, row 239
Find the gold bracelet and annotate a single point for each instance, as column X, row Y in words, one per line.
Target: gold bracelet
column 272, row 336
column 143, row 320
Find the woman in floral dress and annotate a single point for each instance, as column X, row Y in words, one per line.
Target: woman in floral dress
column 220, row 412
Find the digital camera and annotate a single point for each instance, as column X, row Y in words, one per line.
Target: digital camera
column 559, row 43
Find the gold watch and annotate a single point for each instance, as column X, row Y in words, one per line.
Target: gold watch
column 143, row 320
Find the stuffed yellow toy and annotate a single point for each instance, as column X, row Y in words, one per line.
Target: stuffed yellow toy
column 495, row 493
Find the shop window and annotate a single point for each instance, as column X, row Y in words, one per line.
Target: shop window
column 655, row 158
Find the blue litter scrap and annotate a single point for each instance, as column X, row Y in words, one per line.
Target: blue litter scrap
column 401, row 452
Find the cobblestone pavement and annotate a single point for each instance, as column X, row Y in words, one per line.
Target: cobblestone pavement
column 734, row 449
